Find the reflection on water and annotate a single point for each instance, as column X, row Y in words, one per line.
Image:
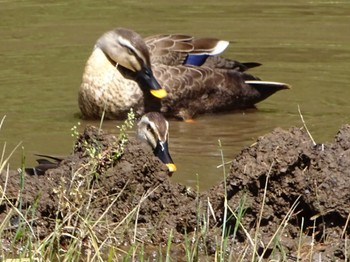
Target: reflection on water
column 44, row 46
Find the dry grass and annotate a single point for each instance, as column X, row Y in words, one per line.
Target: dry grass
column 74, row 237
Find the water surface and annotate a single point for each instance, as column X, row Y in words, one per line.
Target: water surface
column 45, row 44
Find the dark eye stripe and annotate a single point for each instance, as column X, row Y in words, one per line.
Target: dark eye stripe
column 131, row 51
column 149, row 128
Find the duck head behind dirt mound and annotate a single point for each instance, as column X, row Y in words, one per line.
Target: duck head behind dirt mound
column 103, row 180
column 116, row 197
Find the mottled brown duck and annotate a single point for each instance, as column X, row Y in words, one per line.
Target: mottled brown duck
column 178, row 75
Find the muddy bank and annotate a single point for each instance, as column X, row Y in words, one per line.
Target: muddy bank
column 307, row 197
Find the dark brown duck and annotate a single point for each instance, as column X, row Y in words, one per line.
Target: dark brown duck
column 126, row 71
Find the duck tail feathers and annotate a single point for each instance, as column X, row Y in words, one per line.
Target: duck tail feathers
column 264, row 89
column 267, row 85
column 249, row 65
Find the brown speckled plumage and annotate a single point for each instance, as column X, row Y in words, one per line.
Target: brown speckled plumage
column 218, row 85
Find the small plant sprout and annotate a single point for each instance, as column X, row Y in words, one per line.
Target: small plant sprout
column 74, row 130
column 123, row 135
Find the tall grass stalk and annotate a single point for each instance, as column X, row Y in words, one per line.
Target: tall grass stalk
column 312, row 240
column 4, row 161
column 261, row 213
column 346, row 249
column 22, row 221
column 143, row 198
column 238, row 215
column 281, row 226
column 300, row 239
column 101, row 121
column 167, row 259
column 345, row 226
column 222, row 240
column 188, row 247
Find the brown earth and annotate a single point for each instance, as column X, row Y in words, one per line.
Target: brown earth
column 309, row 183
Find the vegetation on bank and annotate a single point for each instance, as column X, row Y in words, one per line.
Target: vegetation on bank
column 74, row 236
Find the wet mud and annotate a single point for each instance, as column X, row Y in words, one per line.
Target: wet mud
column 287, row 190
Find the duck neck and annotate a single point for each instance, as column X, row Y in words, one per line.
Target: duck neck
column 150, row 103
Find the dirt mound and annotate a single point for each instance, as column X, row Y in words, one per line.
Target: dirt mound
column 314, row 178
column 306, row 203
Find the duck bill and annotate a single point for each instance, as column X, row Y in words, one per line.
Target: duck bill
column 149, row 82
column 160, row 93
column 162, row 152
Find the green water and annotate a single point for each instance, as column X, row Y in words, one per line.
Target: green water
column 45, row 44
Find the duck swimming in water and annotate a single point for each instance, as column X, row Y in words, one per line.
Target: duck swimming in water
column 178, row 75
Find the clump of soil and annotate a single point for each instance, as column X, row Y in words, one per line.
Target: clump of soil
column 310, row 183
column 316, row 178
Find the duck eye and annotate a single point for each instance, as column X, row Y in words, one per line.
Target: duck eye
column 130, row 52
column 149, row 128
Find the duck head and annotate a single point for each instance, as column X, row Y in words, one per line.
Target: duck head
column 128, row 50
column 153, row 128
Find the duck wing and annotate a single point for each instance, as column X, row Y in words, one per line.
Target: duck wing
column 195, row 90
column 179, row 49
column 229, row 64
column 169, row 50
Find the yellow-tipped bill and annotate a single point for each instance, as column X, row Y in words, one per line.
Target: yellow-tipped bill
column 171, row 167
column 159, row 93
